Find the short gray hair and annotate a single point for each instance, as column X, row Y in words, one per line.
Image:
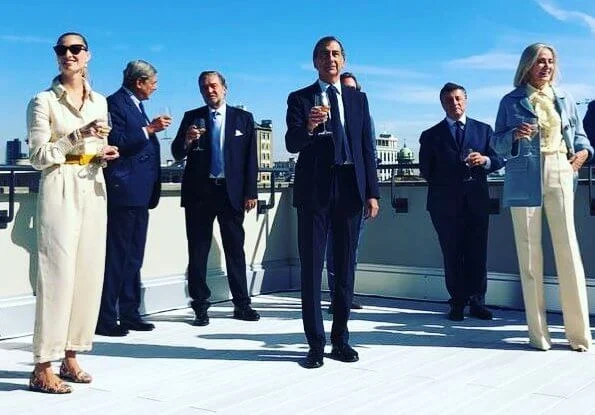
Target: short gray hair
column 136, row 70
column 528, row 59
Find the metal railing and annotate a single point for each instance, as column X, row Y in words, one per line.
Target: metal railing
column 399, row 204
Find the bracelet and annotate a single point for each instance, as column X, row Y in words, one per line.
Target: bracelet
column 75, row 137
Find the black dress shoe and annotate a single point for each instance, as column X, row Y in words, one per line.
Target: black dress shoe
column 138, row 325
column 356, row 306
column 201, row 319
column 313, row 360
column 480, row 311
column 456, row 312
column 115, row 331
column 245, row 313
column 344, row 353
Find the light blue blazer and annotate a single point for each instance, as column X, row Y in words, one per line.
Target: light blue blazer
column 523, row 183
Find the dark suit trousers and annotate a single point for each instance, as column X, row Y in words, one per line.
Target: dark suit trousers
column 126, row 238
column 344, row 215
column 463, row 237
column 199, row 231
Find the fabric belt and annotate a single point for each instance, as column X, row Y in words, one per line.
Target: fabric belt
column 80, row 159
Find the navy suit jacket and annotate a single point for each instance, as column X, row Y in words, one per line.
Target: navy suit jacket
column 312, row 186
column 239, row 152
column 133, row 179
column 589, row 124
column 441, row 165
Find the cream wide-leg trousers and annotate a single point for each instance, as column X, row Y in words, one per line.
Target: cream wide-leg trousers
column 558, row 202
column 71, row 228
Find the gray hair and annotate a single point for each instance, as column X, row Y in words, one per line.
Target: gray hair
column 528, row 59
column 136, row 70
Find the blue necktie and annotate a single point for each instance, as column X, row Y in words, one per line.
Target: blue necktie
column 216, row 154
column 459, row 133
column 142, row 109
column 342, row 150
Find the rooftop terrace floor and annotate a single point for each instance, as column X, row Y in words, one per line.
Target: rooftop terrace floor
column 412, row 361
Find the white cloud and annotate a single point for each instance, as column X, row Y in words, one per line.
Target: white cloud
column 411, row 94
column 25, row 39
column 580, row 91
column 489, row 93
column 156, row 48
column 383, row 71
column 489, row 61
column 567, row 15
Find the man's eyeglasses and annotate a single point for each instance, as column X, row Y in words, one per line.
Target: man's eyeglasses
column 74, row 49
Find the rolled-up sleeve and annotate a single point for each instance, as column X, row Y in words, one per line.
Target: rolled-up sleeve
column 43, row 152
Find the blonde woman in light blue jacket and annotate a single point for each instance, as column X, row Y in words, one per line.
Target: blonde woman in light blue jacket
column 540, row 135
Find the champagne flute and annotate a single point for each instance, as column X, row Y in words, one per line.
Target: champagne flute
column 321, row 101
column 534, row 124
column 165, row 112
column 200, row 125
column 465, row 157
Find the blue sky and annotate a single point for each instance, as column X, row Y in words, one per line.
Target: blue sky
column 401, row 51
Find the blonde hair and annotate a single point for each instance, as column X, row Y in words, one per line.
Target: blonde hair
column 528, row 59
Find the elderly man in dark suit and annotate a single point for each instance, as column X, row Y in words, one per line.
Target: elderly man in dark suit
column 335, row 177
column 219, row 144
column 455, row 158
column 133, row 187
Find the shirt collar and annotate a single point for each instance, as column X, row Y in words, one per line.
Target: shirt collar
column 221, row 110
column 132, row 96
column 324, row 86
column 60, row 91
column 451, row 122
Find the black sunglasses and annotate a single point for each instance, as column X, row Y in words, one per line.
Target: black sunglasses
column 74, row 49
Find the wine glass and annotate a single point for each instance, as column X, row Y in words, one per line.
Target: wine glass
column 166, row 113
column 322, row 102
column 201, row 126
column 534, row 123
column 465, row 158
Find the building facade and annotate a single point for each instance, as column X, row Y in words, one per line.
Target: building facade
column 264, row 146
column 387, row 152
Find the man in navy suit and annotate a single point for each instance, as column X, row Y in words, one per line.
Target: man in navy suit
column 335, row 177
column 219, row 144
column 133, row 187
column 455, row 158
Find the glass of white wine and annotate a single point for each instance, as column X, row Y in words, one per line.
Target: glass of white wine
column 322, row 102
column 534, row 124
column 165, row 112
column 200, row 125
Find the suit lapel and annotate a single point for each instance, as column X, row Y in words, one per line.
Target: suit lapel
column 348, row 112
column 230, row 123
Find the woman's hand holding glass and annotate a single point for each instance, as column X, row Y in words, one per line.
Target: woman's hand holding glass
column 527, row 129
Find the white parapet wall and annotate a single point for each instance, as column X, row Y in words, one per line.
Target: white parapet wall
column 399, row 256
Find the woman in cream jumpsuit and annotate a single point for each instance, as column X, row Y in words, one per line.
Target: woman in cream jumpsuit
column 66, row 126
